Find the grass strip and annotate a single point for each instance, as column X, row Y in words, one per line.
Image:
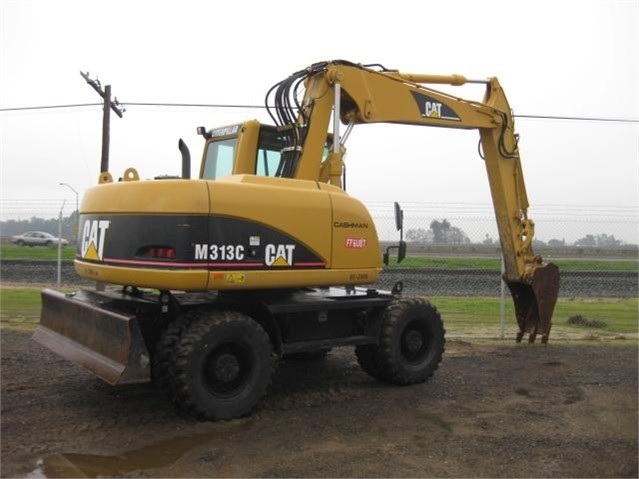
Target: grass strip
column 10, row 251
column 464, row 317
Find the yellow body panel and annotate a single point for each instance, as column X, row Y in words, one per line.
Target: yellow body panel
column 334, row 227
column 283, row 204
column 182, row 280
column 147, row 196
column 268, row 279
column 354, row 239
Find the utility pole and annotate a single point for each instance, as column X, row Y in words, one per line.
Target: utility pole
column 106, row 130
column 106, row 119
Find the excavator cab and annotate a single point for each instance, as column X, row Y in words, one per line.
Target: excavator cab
column 244, row 148
column 250, row 148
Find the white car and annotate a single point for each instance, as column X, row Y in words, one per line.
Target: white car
column 37, row 238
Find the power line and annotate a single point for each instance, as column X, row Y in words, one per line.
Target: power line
column 578, row 118
column 194, row 105
column 50, row 107
column 222, row 105
column 132, row 103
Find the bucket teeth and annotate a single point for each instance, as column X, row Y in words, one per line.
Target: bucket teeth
column 535, row 302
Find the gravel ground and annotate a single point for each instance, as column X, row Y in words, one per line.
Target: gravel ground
column 494, row 409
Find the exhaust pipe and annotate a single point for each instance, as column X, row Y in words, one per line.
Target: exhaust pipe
column 186, row 159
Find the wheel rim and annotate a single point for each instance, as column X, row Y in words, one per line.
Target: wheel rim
column 415, row 342
column 227, row 369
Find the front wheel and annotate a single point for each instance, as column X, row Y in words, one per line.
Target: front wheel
column 222, row 365
column 411, row 343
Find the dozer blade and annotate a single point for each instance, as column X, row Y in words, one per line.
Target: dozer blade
column 107, row 343
column 535, row 302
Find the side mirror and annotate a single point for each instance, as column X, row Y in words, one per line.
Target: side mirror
column 399, row 217
column 401, row 247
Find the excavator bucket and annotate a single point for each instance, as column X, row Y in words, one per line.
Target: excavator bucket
column 535, row 302
column 81, row 330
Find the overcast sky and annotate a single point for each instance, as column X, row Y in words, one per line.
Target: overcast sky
column 553, row 58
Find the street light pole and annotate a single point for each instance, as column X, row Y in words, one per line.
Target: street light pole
column 77, row 211
column 60, row 243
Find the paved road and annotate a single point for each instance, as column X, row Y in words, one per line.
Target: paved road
column 436, row 282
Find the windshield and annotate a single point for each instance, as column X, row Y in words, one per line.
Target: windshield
column 219, row 158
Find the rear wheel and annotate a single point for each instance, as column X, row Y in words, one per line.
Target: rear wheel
column 411, row 343
column 165, row 352
column 222, row 365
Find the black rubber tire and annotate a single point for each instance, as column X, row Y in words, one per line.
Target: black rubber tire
column 164, row 354
column 222, row 365
column 48, row 244
column 411, row 343
column 20, row 243
column 368, row 359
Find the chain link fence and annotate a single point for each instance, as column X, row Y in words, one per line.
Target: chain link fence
column 419, row 281
column 463, row 269
column 463, row 258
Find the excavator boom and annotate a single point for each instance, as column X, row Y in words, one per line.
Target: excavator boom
column 359, row 94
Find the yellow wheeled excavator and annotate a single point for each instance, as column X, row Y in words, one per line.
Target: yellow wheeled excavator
column 265, row 255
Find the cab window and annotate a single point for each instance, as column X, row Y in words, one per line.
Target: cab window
column 267, row 162
column 218, row 161
column 269, row 149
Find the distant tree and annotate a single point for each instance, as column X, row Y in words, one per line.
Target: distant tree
column 445, row 233
column 601, row 240
column 48, row 225
column 456, row 236
column 538, row 242
column 488, row 240
column 556, row 242
column 588, row 240
column 440, row 232
column 419, row 235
